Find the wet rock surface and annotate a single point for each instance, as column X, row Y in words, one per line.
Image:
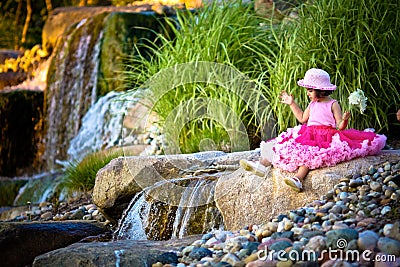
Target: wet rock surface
column 119, row 253
column 21, row 242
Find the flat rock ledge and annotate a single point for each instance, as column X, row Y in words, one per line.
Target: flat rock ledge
column 119, row 181
column 21, row 242
column 119, row 253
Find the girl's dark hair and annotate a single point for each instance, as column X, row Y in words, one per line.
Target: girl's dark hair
column 322, row 93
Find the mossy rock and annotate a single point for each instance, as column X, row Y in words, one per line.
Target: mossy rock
column 9, row 189
column 122, row 32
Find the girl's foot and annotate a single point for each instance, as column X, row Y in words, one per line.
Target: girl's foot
column 294, row 183
column 255, row 167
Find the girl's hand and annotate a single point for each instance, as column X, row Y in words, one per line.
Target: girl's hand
column 346, row 116
column 286, row 98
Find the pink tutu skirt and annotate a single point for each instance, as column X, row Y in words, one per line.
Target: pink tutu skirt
column 322, row 146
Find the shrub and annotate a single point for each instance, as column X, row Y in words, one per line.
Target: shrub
column 356, row 42
column 81, row 176
column 218, row 34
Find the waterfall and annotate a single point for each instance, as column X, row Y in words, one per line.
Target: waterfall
column 40, row 188
column 148, row 218
column 190, row 198
column 102, row 126
column 71, row 88
column 133, row 228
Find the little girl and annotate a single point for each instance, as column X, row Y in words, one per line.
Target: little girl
column 320, row 141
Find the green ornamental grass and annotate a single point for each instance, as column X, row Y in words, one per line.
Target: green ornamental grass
column 81, row 176
column 215, row 34
column 356, row 42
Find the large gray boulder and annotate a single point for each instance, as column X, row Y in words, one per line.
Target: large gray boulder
column 119, row 181
column 241, row 197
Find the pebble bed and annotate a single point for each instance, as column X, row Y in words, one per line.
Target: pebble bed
column 45, row 212
column 355, row 224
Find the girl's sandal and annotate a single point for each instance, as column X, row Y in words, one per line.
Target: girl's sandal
column 294, row 183
column 255, row 167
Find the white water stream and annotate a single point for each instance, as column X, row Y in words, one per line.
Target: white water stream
column 136, row 220
column 102, row 126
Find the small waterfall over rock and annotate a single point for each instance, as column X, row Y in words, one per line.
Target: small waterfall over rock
column 133, row 225
column 40, row 188
column 102, row 126
column 87, row 63
column 149, row 217
column 188, row 206
column 71, row 87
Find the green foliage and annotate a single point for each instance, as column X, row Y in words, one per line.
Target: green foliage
column 81, row 176
column 12, row 20
column 10, row 29
column 356, row 42
column 193, row 138
column 121, row 2
column 9, row 37
column 220, row 34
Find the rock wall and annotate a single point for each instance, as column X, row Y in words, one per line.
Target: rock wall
column 21, row 130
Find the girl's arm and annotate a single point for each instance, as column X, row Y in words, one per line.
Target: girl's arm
column 341, row 119
column 301, row 116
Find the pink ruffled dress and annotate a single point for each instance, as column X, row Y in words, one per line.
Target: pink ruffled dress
column 319, row 144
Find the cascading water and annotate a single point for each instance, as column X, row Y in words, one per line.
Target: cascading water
column 40, row 188
column 71, row 89
column 149, row 218
column 102, row 126
column 187, row 206
column 133, row 227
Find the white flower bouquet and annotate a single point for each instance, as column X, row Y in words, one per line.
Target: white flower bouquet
column 359, row 99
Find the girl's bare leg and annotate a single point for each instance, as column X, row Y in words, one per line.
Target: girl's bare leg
column 302, row 173
column 265, row 162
